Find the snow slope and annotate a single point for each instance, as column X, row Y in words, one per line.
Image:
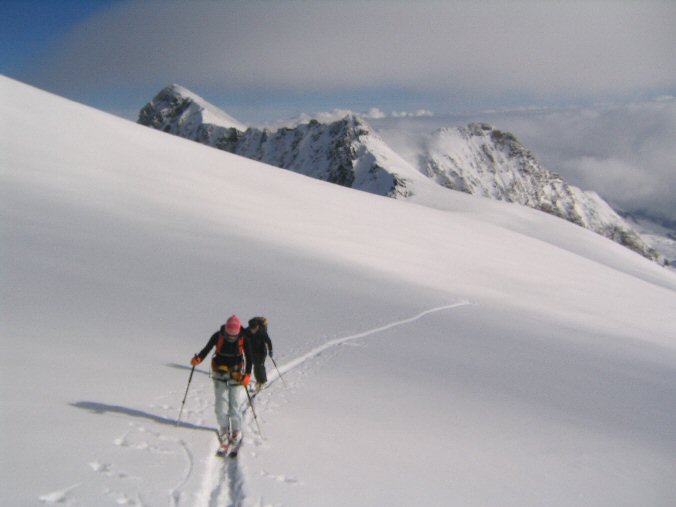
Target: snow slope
column 478, row 353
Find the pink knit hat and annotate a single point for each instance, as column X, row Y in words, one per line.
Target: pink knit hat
column 233, row 326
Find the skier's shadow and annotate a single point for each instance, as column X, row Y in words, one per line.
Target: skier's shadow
column 187, row 368
column 103, row 408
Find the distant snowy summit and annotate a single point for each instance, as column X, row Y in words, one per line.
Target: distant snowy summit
column 477, row 159
column 178, row 111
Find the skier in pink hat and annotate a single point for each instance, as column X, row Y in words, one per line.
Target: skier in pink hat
column 231, row 372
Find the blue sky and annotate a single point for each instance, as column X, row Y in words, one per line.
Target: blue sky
column 591, row 82
column 29, row 28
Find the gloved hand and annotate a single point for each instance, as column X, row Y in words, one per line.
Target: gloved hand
column 245, row 380
column 195, row 360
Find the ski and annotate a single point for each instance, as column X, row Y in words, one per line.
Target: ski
column 223, row 447
column 227, row 447
column 223, row 450
column 234, row 450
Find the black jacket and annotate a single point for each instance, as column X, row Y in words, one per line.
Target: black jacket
column 230, row 353
column 260, row 344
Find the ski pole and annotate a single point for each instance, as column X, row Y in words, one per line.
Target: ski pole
column 278, row 372
column 185, row 396
column 253, row 411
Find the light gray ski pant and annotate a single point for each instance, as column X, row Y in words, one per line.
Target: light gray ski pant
column 229, row 405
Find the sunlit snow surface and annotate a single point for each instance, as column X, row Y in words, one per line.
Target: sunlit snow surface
column 457, row 351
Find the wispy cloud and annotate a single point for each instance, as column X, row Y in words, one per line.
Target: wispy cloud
column 459, row 48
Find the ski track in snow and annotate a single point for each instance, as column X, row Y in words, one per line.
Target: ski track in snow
column 174, row 494
column 340, row 341
column 224, row 479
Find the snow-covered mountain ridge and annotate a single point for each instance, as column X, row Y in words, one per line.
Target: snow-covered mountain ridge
column 340, row 152
column 482, row 160
column 478, row 159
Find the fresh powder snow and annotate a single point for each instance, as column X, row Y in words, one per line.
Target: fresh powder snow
column 445, row 351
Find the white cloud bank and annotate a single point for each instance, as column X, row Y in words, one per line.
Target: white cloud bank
column 626, row 152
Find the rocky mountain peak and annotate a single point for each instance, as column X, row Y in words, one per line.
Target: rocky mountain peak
column 179, row 111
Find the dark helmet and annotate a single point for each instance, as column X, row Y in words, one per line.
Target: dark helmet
column 258, row 321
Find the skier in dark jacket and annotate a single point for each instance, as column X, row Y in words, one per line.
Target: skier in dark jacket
column 261, row 345
column 230, row 370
